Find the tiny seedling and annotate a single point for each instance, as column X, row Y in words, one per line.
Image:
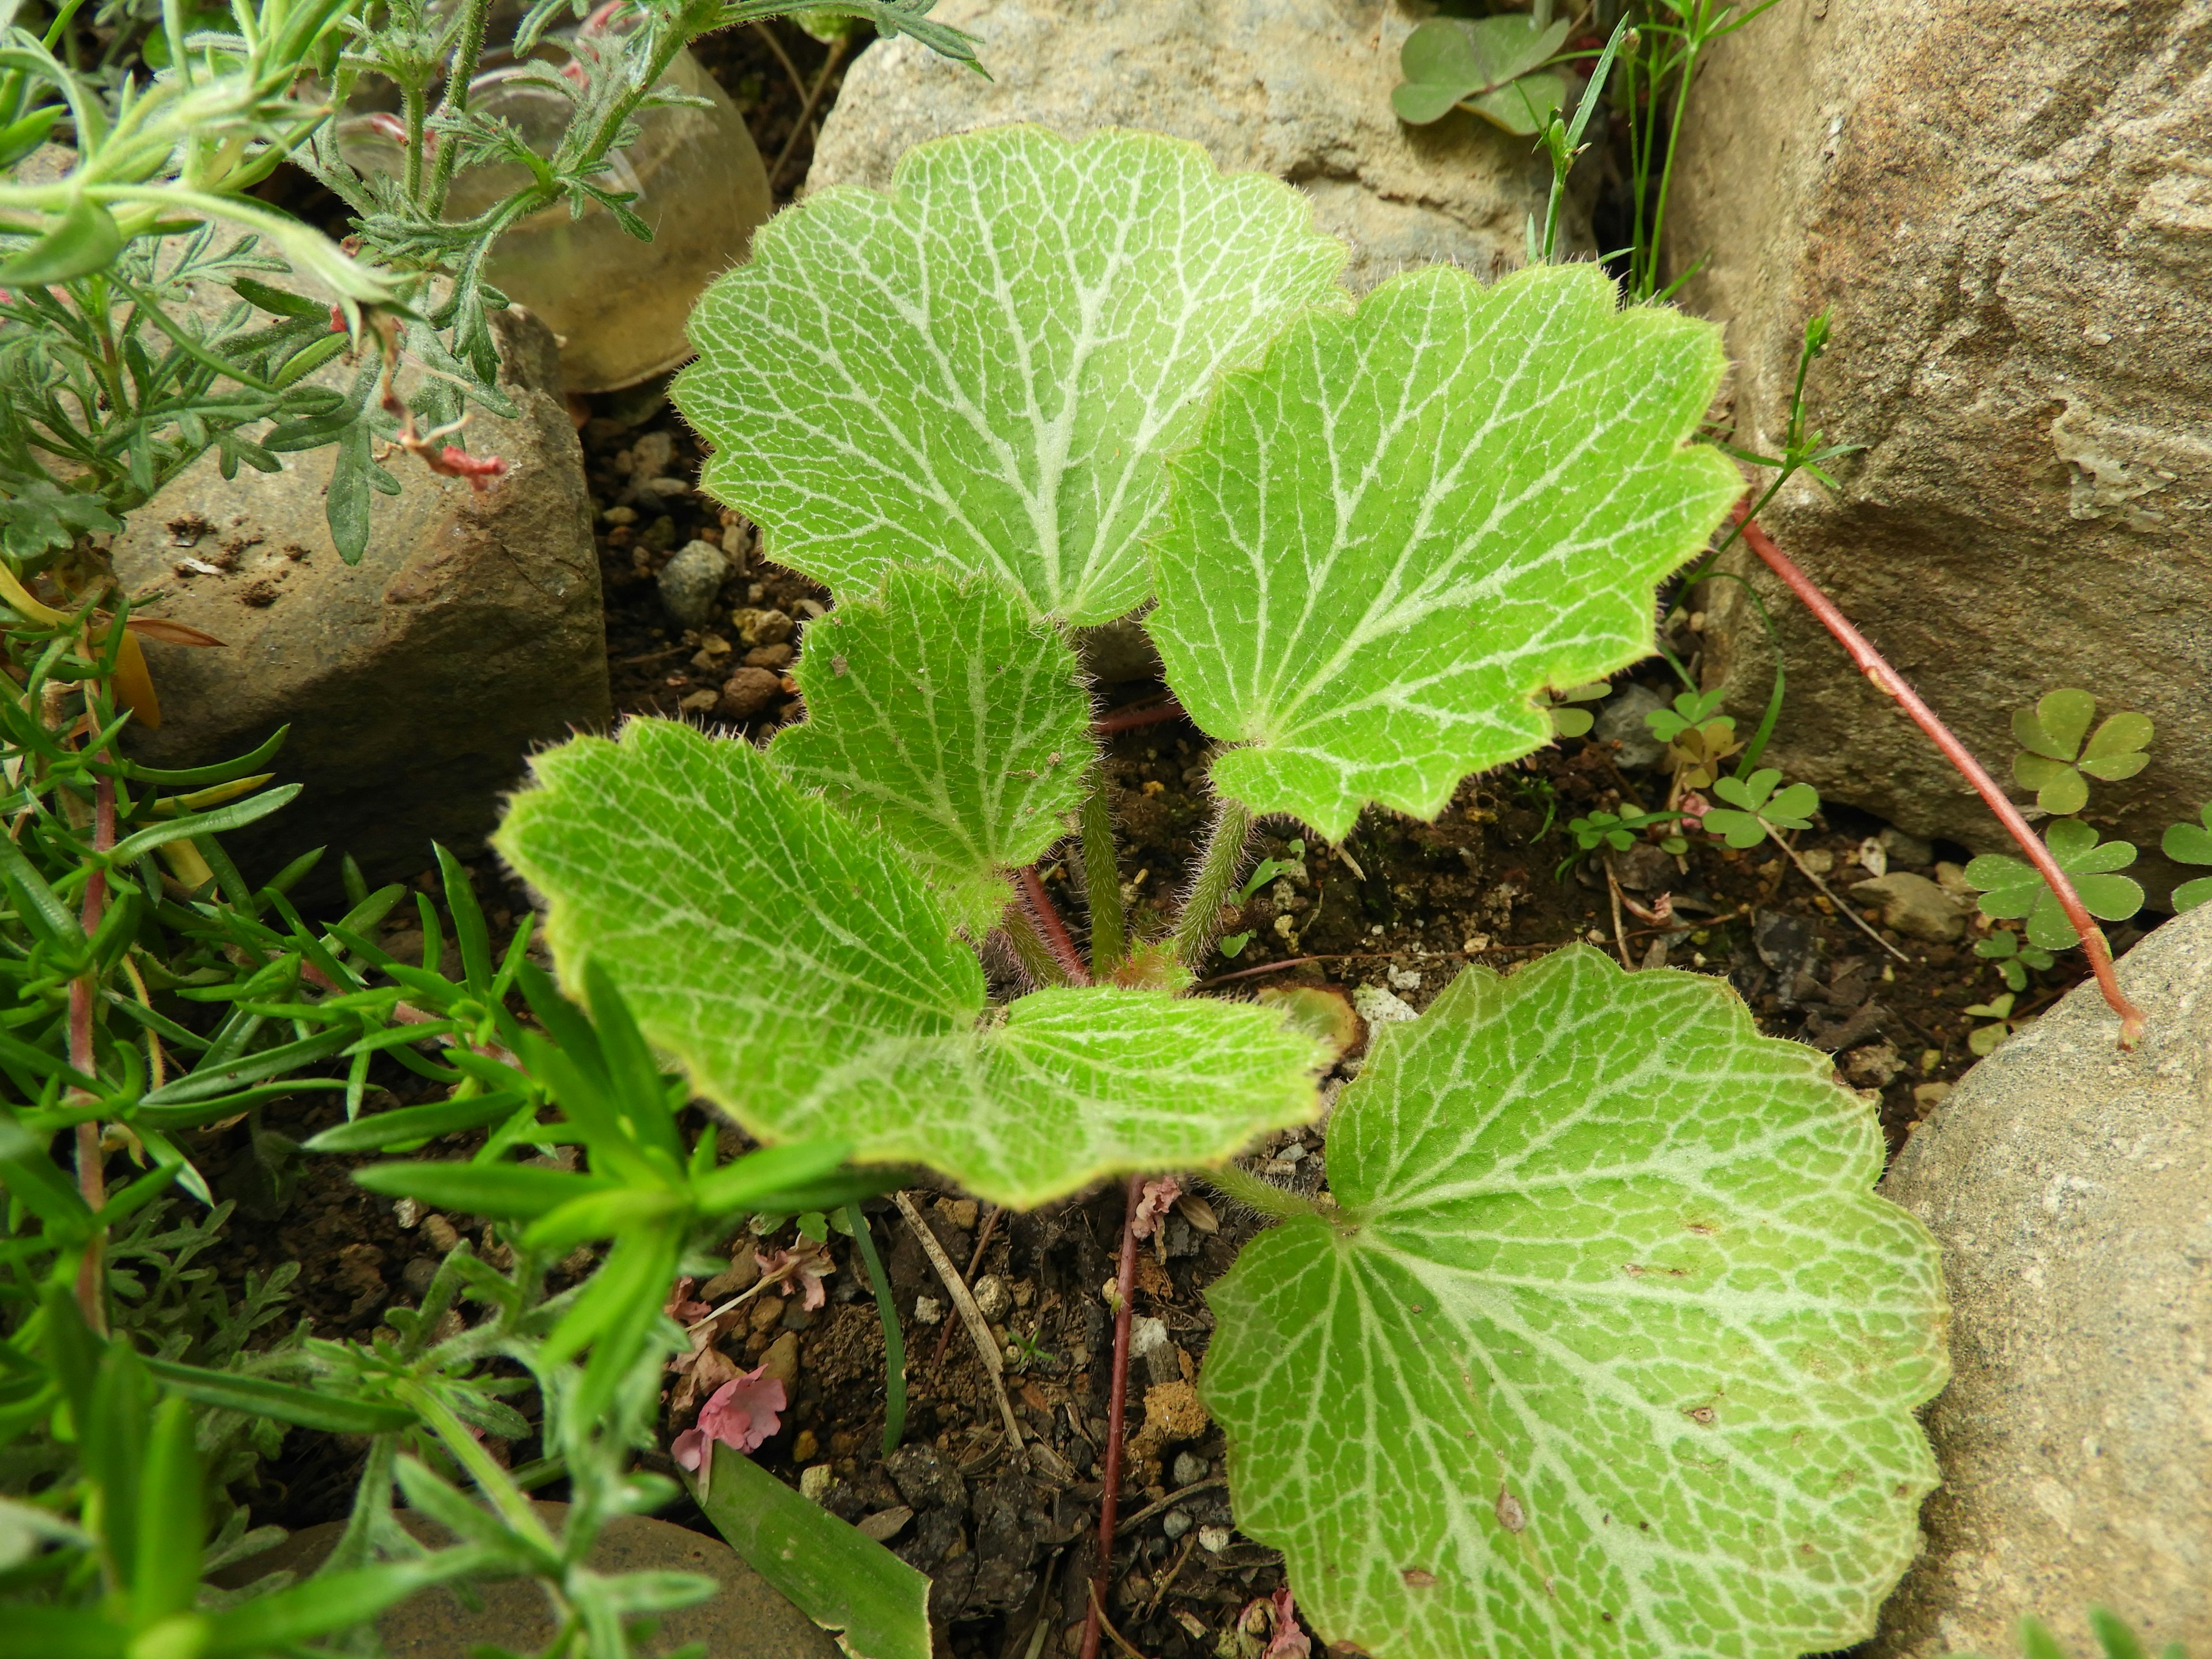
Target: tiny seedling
column 1754, row 808
column 1618, row 831
column 2011, row 888
column 1267, row 869
column 2014, row 960
column 1998, row 1010
column 2114, row 1640
column 1568, row 720
column 1698, row 738
column 1492, row 66
column 2054, row 758
column 2191, row 843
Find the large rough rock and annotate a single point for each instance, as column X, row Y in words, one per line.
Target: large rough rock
column 415, row 682
column 2008, row 210
column 1300, row 89
column 2070, row 1186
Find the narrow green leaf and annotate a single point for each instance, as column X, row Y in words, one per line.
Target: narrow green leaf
column 756, row 1175
column 808, row 981
column 84, row 239
column 1611, row 1349
column 844, row 1580
column 258, row 1397
column 411, row 1125
column 511, row 1192
column 948, row 717
column 328, row 1603
column 165, row 1573
column 980, row 369
column 1387, row 540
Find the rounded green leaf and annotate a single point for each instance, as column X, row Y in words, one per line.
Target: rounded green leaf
column 1523, row 106
column 2065, row 794
column 2191, row 893
column 2119, row 740
column 798, row 966
column 1794, row 807
column 2188, row 843
column 980, row 369
column 945, row 714
column 2063, row 717
column 1610, row 1350
column 1388, row 539
column 2033, row 771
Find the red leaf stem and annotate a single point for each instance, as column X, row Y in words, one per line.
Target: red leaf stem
column 1128, row 720
column 1051, row 928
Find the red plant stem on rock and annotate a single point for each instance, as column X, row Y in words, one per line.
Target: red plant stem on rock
column 91, row 1158
column 1887, row 680
column 1110, row 1503
column 1126, row 720
column 1052, row 929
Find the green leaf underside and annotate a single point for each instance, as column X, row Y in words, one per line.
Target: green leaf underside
column 946, row 716
column 980, row 369
column 808, row 980
column 1410, row 521
column 1609, row 1254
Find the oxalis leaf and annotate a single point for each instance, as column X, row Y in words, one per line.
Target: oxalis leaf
column 1409, row 520
column 1611, row 1349
column 945, row 715
column 980, row 369
column 808, row 980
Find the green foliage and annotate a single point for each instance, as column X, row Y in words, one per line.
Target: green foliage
column 2114, row 1639
column 1490, row 65
column 2191, row 843
column 1998, row 1012
column 2014, row 960
column 810, row 984
column 2012, row 887
column 1570, row 1370
column 1568, row 720
column 952, row 719
column 2054, row 760
column 1372, row 567
column 854, row 419
column 1618, row 831
column 1755, row 810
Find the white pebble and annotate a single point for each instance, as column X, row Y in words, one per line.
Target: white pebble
column 927, row 1311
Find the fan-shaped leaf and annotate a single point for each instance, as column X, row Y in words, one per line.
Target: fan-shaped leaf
column 2012, row 887
column 809, row 981
column 980, row 369
column 953, row 721
column 1610, row 1350
column 1410, row 521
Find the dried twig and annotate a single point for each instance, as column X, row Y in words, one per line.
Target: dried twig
column 1811, row 875
column 1117, row 1405
column 1096, row 1617
column 813, row 97
column 975, row 1260
column 979, row 1329
column 1620, row 927
column 1130, row 1523
column 1165, row 1582
column 1128, row 720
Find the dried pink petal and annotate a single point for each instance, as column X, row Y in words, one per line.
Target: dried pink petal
column 1157, row 1198
column 744, row 1412
column 690, row 1450
column 1289, row 1642
column 802, row 1268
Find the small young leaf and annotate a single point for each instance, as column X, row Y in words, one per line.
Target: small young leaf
column 2058, row 786
column 806, row 978
column 2117, row 749
column 980, row 369
column 2057, row 725
column 1391, row 536
column 946, row 715
column 1447, row 61
column 2011, row 887
column 1610, row 1348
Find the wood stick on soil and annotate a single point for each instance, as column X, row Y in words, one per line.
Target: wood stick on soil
column 1110, row 1502
column 1620, row 927
column 979, row 1329
column 975, row 1260
column 1871, row 663
column 1128, row 720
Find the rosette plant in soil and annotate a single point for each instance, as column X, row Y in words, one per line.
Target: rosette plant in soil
column 1602, row 1342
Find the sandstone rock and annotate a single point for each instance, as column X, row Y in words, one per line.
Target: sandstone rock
column 2006, row 208
column 1915, row 906
column 691, row 583
column 1300, row 89
column 415, row 682
column 2070, row 1186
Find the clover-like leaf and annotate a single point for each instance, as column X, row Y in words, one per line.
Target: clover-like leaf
column 2056, row 726
column 2191, row 843
column 980, row 369
column 1760, row 807
column 2116, row 749
column 946, row 715
column 1610, row 1349
column 1488, row 64
column 1388, row 538
column 2053, row 758
column 2012, row 887
column 808, row 980
column 1691, row 710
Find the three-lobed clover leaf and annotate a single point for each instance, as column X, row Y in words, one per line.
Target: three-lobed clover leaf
column 1984, row 1039
column 980, row 369
column 1690, row 709
column 944, row 713
column 808, row 980
column 1490, row 65
column 2014, row 960
column 1610, row 1348
column 1410, row 521
column 2053, row 756
column 2011, row 887
column 2191, row 843
column 1755, row 807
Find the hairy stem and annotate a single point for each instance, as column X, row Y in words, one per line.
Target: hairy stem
column 467, row 53
column 1102, row 876
column 1233, row 1180
column 1051, row 928
column 1888, row 681
column 1029, row 947
column 414, row 105
column 1109, row 1504
column 1218, row 866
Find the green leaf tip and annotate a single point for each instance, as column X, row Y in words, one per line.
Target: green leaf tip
column 809, row 981
column 981, row 368
column 945, row 714
column 1389, row 538
column 1610, row 1350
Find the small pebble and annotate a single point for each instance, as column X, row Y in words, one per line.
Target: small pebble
column 804, row 1448
column 962, row 1212
column 691, row 581
column 746, row 693
column 816, row 1480
column 992, row 1297
column 1213, row 1540
column 406, row 1212
column 927, row 1311
column 440, row 1232
column 1189, row 1468
column 1175, row 1523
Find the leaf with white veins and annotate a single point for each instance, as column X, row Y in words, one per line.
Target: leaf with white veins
column 807, row 979
column 944, row 713
column 981, row 368
column 1610, row 1350
column 1409, row 521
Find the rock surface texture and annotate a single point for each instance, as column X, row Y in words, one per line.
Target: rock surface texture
column 415, row 682
column 2008, row 210
column 1300, row 89
column 2070, row 1186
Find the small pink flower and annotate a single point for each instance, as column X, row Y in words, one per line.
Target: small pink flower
column 1152, row 1208
column 741, row 1414
column 1288, row 1642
